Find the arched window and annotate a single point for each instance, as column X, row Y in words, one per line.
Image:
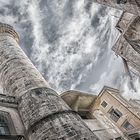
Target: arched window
column 6, row 124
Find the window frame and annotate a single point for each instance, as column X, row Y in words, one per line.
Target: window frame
column 8, row 120
column 127, row 128
column 115, row 114
column 104, row 104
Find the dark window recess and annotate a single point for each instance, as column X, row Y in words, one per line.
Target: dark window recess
column 84, row 117
column 104, row 104
column 121, row 1
column 84, row 114
column 4, row 129
column 127, row 125
column 6, row 124
column 115, row 114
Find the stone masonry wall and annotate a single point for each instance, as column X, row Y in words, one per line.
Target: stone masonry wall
column 50, row 118
column 44, row 114
column 66, row 126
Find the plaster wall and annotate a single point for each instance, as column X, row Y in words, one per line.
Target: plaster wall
column 114, row 103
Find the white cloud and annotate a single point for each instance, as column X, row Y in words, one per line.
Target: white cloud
column 130, row 93
column 79, row 54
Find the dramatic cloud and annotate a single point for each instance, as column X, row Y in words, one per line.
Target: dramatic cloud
column 68, row 41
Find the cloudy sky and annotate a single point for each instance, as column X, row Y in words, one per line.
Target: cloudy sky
column 69, row 41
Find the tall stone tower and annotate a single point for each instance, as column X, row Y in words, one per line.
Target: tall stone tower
column 44, row 114
column 130, row 6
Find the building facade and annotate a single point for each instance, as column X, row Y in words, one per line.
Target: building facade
column 108, row 115
column 130, row 6
column 30, row 109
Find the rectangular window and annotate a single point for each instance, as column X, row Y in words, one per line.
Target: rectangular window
column 127, row 125
column 6, row 124
column 115, row 114
column 4, row 129
column 104, row 104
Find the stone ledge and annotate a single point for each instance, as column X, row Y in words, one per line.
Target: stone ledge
column 5, row 28
column 53, row 115
column 65, row 126
column 8, row 99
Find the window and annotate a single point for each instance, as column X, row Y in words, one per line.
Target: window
column 4, row 129
column 115, row 114
column 6, row 124
column 7, row 129
column 127, row 125
column 104, row 104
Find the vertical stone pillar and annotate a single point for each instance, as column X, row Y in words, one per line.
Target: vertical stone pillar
column 44, row 114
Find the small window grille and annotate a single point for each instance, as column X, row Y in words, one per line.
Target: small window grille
column 104, row 104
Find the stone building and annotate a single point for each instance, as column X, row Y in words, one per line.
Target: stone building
column 11, row 126
column 30, row 109
column 108, row 115
column 128, row 44
column 130, row 6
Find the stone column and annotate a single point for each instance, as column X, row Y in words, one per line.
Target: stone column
column 44, row 114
